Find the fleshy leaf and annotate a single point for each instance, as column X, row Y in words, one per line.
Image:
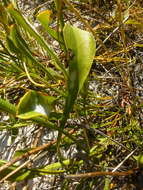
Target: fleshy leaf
column 82, row 46
column 34, row 104
column 44, row 17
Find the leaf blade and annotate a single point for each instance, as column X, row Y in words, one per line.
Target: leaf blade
column 34, row 104
column 82, row 44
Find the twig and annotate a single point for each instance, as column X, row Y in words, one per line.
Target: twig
column 100, row 173
column 119, row 165
column 17, row 169
column 27, row 154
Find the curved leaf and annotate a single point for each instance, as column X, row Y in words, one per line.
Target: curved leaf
column 44, row 17
column 22, row 21
column 34, row 104
column 18, row 45
column 82, row 45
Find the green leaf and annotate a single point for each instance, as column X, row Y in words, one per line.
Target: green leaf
column 44, row 17
column 11, row 47
column 131, row 21
column 55, row 168
column 18, row 176
column 140, row 160
column 19, row 43
column 82, row 45
column 6, row 106
column 34, row 104
column 21, row 175
column 18, row 46
column 56, row 165
column 21, row 152
column 23, row 22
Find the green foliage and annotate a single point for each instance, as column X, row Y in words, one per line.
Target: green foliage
column 80, row 61
column 29, row 28
column 79, row 81
column 44, row 18
column 7, row 107
column 34, row 104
